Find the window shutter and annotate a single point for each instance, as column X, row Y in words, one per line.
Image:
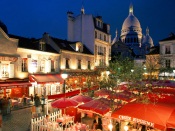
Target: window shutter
column 11, row 70
column 56, row 65
column 29, row 65
column 48, row 68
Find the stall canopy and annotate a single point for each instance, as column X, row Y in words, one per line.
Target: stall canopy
column 46, row 78
column 14, row 85
column 97, row 106
column 81, row 98
column 156, row 116
column 64, row 103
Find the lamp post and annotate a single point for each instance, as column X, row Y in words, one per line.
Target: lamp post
column 132, row 70
column 64, row 76
column 174, row 73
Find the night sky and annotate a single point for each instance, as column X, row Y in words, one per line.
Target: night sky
column 31, row 18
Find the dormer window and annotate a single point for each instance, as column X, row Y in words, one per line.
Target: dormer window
column 99, row 23
column 79, row 47
column 42, row 45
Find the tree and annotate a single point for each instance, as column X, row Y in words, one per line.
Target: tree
column 152, row 66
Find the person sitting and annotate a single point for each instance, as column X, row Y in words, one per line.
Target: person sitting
column 95, row 123
column 46, row 119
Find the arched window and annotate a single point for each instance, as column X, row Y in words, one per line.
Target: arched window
column 134, row 40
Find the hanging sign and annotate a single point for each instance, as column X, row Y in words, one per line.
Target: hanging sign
column 136, row 120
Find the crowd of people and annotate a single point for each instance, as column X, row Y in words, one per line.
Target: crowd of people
column 38, row 103
column 38, row 106
column 5, row 105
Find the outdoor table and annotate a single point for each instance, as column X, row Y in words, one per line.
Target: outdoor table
column 65, row 119
column 14, row 102
column 53, row 125
column 80, row 127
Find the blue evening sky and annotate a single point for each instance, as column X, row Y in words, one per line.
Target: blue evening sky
column 31, row 18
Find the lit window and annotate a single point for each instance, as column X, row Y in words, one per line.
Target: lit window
column 4, row 69
column 89, row 65
column 79, row 64
column 24, row 65
column 52, row 66
column 67, row 63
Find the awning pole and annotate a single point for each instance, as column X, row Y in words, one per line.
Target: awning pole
column 47, row 105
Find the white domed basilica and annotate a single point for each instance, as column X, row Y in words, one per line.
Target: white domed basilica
column 131, row 35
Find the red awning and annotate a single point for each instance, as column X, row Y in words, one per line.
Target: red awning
column 69, row 94
column 46, row 78
column 14, row 85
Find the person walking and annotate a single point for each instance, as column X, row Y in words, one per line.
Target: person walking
column 9, row 105
column 31, row 97
column 42, row 102
column 24, row 99
column 4, row 105
column 37, row 103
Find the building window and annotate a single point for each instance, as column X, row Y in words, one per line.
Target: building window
column 110, row 52
column 167, row 50
column 95, row 34
column 98, row 23
column 89, row 65
column 79, row 64
column 24, row 65
column 52, row 66
column 4, row 69
column 128, row 40
column 67, row 63
column 42, row 66
column 100, row 36
column 42, row 46
column 34, row 65
column 104, row 37
column 134, row 40
column 167, row 63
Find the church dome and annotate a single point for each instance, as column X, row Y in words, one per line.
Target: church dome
column 131, row 21
column 147, row 39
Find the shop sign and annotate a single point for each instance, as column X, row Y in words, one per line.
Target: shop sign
column 136, row 120
column 6, row 58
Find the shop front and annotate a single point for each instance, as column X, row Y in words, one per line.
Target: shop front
column 46, row 84
column 14, row 90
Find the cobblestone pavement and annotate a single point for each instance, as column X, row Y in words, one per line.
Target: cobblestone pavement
column 18, row 120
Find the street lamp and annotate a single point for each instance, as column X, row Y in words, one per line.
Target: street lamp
column 132, row 70
column 174, row 73
column 110, row 126
column 126, row 128
column 64, row 76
